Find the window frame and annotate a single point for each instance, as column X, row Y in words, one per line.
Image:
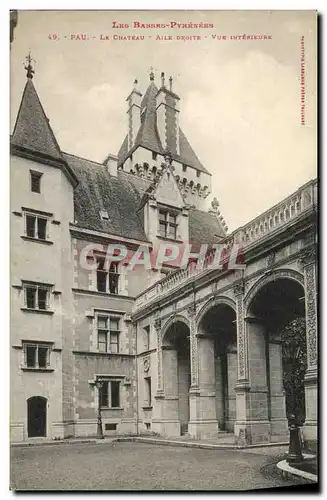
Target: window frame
column 110, row 272
column 36, row 287
column 37, row 345
column 34, row 174
column 168, row 224
column 107, row 382
column 146, row 334
column 36, row 216
column 147, row 392
column 107, row 332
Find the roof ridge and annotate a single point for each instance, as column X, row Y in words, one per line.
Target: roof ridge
column 82, row 158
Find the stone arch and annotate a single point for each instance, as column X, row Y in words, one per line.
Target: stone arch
column 212, row 302
column 173, row 319
column 268, row 278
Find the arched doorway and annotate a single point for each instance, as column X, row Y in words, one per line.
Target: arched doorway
column 177, row 372
column 37, row 416
column 219, row 324
column 278, row 310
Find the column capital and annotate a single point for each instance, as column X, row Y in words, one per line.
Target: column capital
column 157, row 324
column 239, row 289
column 242, row 386
column 308, row 255
column 191, row 311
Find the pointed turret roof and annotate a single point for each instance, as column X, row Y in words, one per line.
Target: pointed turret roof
column 33, row 137
column 148, row 135
column 32, row 129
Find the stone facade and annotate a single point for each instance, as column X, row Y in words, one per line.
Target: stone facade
column 194, row 351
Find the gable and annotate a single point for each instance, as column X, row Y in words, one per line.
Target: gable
column 167, row 190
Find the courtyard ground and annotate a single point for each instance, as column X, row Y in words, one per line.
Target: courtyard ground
column 138, row 466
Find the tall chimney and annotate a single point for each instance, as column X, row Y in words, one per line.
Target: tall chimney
column 133, row 114
column 111, row 163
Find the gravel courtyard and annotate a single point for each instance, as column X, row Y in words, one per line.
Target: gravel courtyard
column 137, row 466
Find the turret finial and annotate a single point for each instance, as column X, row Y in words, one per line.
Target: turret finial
column 135, row 84
column 29, row 67
column 171, row 83
column 162, row 79
column 151, row 74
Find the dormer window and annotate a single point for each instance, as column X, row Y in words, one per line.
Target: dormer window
column 168, row 224
column 35, row 178
column 104, row 215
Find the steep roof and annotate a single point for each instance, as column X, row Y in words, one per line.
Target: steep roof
column 204, row 227
column 149, row 138
column 148, row 135
column 32, row 129
column 98, row 190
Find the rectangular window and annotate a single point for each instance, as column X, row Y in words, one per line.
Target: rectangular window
column 107, row 280
column 168, row 224
column 104, row 394
column 184, row 168
column 36, row 181
column 36, row 226
column 115, row 393
column 102, row 274
column 146, row 332
column 148, row 395
column 37, row 296
column 110, row 394
column 36, row 355
column 113, row 278
column 108, row 334
column 154, row 156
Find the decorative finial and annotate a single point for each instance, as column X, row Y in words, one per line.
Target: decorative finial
column 170, row 83
column 135, row 84
column 162, row 79
column 29, row 67
column 168, row 158
column 215, row 205
column 151, row 74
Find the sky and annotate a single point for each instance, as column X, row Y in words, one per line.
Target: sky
column 240, row 104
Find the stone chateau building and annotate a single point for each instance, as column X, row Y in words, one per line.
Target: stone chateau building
column 195, row 351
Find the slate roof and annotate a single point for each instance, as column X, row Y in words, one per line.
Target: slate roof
column 121, row 196
column 32, row 129
column 204, row 227
column 96, row 191
column 148, row 135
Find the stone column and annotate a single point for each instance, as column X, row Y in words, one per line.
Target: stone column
column 252, row 425
column 310, row 380
column 203, row 423
column 231, row 384
column 165, row 412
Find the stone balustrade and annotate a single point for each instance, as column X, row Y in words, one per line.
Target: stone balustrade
column 280, row 215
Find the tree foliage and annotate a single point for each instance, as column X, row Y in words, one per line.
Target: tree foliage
column 294, row 341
